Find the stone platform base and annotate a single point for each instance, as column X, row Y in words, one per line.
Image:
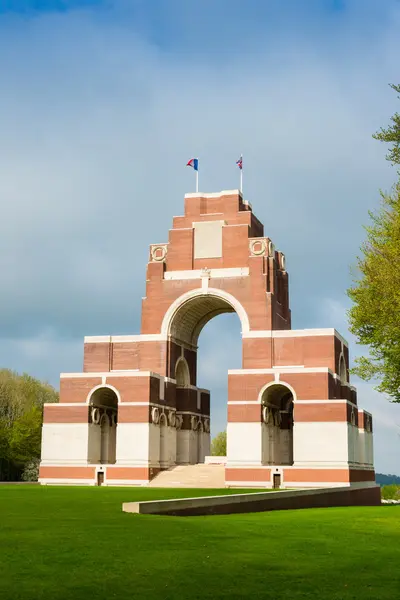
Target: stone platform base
column 259, row 502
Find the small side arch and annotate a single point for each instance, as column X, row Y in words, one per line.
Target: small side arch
column 343, row 369
column 277, row 399
column 102, row 386
column 182, row 373
column 103, row 401
column 276, row 383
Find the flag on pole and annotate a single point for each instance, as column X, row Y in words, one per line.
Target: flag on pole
column 194, row 163
column 240, row 165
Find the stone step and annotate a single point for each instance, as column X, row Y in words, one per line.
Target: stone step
column 196, row 476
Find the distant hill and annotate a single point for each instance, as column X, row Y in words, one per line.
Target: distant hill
column 382, row 479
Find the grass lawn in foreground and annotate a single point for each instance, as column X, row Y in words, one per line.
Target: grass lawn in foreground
column 76, row 543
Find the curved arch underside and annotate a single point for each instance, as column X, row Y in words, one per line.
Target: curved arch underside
column 193, row 315
column 277, row 395
column 104, row 396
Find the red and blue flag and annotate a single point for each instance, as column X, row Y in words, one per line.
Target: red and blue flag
column 194, row 163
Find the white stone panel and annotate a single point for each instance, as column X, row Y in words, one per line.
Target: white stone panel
column 196, row 273
column 167, row 446
column 244, row 443
column 285, row 447
column 171, row 446
column 182, row 447
column 133, row 443
column 154, row 445
column 65, row 443
column 206, row 445
column 163, row 429
column 318, row 443
column 354, row 452
column 112, row 444
column 193, row 448
column 369, row 449
column 269, row 444
column 208, row 239
column 361, row 447
column 94, row 443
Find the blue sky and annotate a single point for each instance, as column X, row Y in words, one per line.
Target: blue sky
column 101, row 106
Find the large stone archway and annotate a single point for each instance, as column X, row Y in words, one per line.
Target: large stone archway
column 292, row 413
column 182, row 324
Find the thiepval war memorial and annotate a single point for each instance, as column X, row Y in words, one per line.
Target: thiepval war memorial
column 136, row 411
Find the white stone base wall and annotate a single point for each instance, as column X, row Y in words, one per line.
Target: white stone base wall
column 369, row 448
column 133, row 444
column 65, row 443
column 321, row 443
column 244, row 443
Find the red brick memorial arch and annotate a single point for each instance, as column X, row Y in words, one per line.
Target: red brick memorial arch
column 136, row 408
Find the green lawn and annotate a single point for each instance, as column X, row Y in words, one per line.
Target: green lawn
column 76, row 543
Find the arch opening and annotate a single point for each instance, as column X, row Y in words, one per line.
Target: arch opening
column 183, row 323
column 182, row 373
column 277, row 408
column 103, row 418
column 342, row 369
column 193, row 314
column 219, row 350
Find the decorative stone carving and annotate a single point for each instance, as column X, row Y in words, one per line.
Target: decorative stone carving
column 261, row 247
column 172, row 418
column 158, row 253
column 258, row 247
column 353, row 416
column 282, row 261
column 193, row 422
column 267, row 415
column 205, row 272
column 155, row 415
column 95, row 415
column 271, row 416
column 104, row 418
column 179, row 422
column 207, row 425
column 271, row 249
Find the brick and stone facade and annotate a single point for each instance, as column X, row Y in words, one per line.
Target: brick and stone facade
column 136, row 409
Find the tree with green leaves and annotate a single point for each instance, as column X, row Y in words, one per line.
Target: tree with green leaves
column 375, row 315
column 218, row 444
column 391, row 134
column 21, row 414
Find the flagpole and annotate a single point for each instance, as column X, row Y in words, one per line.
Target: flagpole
column 197, row 181
column 241, row 175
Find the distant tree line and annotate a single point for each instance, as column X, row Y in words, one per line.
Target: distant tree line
column 382, row 479
column 21, row 415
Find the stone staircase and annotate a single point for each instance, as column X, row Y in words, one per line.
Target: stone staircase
column 191, row 476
